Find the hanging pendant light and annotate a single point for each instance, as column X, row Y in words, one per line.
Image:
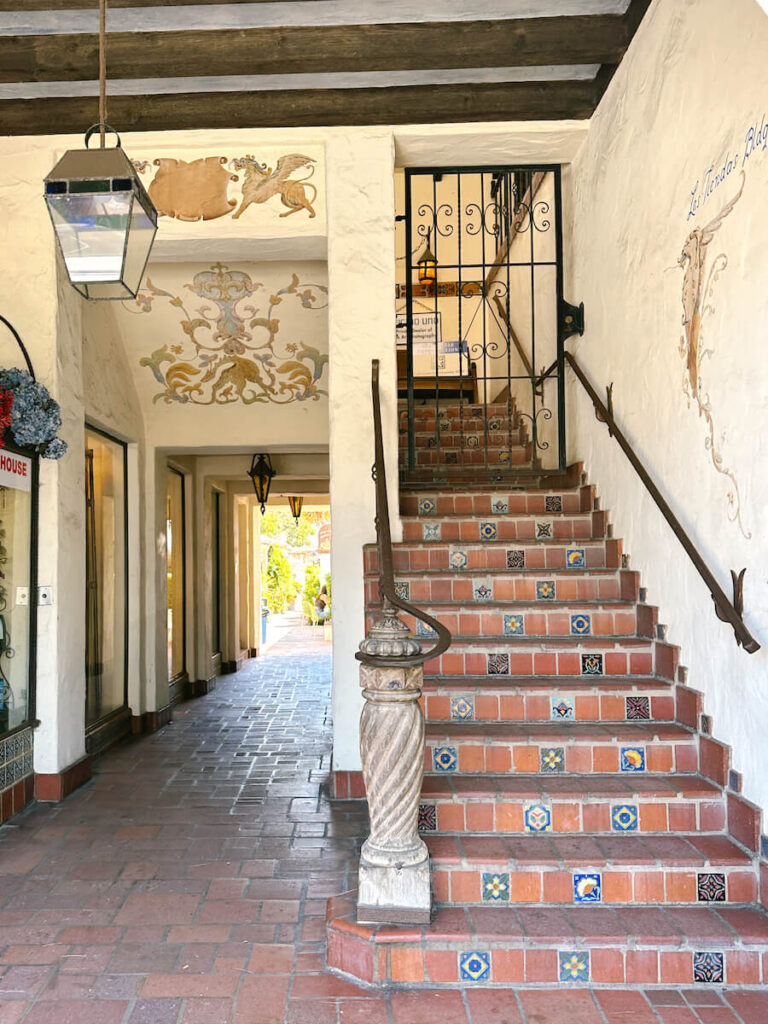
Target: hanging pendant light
column 427, row 263
column 261, row 473
column 295, row 503
column 102, row 216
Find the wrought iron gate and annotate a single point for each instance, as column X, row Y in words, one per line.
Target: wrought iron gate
column 481, row 320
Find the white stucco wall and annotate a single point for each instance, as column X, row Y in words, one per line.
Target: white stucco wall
column 693, row 83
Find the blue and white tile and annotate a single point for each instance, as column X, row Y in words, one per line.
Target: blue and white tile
column 403, row 590
column 431, row 531
column 562, row 709
column 581, row 625
column 632, row 759
column 499, row 506
column 462, row 708
column 458, row 557
column 624, row 818
column 575, row 558
column 514, row 625
column 495, row 887
column 482, row 589
column 445, row 759
column 587, row 887
column 537, row 817
column 488, row 530
column 475, row 966
column 427, row 506
column 573, row 965
column 545, row 590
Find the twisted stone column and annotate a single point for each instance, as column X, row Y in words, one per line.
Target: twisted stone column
column 394, row 861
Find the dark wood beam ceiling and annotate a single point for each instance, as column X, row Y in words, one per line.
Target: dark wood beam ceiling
column 299, row 108
column 524, row 42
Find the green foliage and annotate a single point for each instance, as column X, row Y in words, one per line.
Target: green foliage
column 278, row 581
column 280, row 522
column 311, row 590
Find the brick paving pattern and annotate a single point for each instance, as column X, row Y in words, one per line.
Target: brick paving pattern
column 187, row 884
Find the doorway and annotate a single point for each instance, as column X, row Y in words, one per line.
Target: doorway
column 176, row 554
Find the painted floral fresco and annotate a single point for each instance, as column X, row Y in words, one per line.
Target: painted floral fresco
column 699, row 279
column 230, row 349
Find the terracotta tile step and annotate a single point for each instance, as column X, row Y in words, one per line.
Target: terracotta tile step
column 491, row 554
column 467, row 436
column 634, row 946
column 426, row 411
column 571, row 870
column 545, row 587
column 559, row 747
column 566, row 657
column 474, row 458
column 482, row 501
column 534, row 803
column 612, row 699
column 458, row 528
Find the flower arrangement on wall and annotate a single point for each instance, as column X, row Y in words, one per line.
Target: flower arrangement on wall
column 29, row 413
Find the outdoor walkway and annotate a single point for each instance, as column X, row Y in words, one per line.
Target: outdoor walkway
column 186, row 884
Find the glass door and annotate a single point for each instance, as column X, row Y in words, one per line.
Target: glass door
column 106, row 597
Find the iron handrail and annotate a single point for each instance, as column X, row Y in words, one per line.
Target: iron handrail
column 726, row 611
column 384, row 546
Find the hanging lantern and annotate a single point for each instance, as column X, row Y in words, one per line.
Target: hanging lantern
column 104, row 220
column 295, row 503
column 427, row 264
column 261, row 473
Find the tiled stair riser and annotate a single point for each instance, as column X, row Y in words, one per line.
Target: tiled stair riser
column 487, row 502
column 516, row 455
column 471, row 435
column 541, row 621
column 519, row 662
column 551, row 758
column 487, row 704
column 474, row 556
column 524, row 529
column 509, row 587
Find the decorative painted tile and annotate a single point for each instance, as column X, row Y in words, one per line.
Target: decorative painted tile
column 495, row 888
column 403, row 590
column 475, row 966
column 574, row 558
column 26, row 763
column 457, row 557
column 581, row 625
column 444, row 759
column 624, row 818
column 488, row 531
column 494, row 423
column 444, row 422
column 545, row 590
column 498, row 664
column 431, row 442
column 462, row 708
column 710, row 887
column 482, row 590
column 638, row 707
column 561, row 707
column 587, row 888
column 476, row 411
column 499, row 506
column 537, row 817
column 471, row 440
column 515, row 559
column 451, row 458
column 504, row 455
column 551, row 759
column 632, row 759
column 427, row 506
column 553, row 503
column 427, row 818
column 591, row 664
column 573, row 966
column 430, row 531
column 514, row 625
column 709, row 968
column 544, row 529
column 422, row 629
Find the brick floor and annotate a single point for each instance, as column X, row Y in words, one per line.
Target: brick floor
column 186, row 884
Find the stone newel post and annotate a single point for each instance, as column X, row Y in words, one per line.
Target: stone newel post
column 394, row 861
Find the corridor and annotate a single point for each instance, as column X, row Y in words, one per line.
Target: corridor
column 187, row 883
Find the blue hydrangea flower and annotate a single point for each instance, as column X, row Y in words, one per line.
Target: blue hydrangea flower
column 35, row 416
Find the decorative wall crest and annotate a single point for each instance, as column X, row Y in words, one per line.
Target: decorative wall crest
column 197, row 190
column 698, row 286
column 230, row 350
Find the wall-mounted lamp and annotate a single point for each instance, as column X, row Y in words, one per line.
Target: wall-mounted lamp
column 261, row 473
column 103, row 219
column 295, row 503
column 427, row 263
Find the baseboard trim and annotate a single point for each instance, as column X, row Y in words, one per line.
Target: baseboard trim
column 55, row 786
column 199, row 687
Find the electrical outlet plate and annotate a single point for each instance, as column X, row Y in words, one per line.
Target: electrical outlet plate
column 44, row 595
column 22, row 595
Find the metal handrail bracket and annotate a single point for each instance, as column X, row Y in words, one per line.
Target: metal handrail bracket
column 726, row 611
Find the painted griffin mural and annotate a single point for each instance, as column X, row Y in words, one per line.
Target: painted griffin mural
column 231, row 350
column 699, row 279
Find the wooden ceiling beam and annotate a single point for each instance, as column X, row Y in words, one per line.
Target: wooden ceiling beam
column 527, row 42
column 298, row 108
column 26, row 6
